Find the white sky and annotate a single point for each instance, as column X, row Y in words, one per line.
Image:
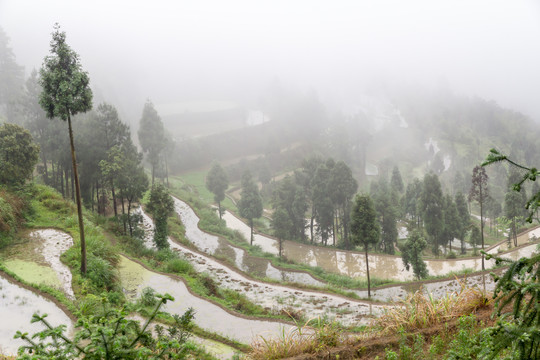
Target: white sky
column 229, row 50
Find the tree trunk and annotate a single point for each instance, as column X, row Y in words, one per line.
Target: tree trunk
column 123, row 213
column 219, row 209
column 129, row 219
column 114, row 199
column 79, row 205
column 280, row 247
column 44, row 159
column 93, row 209
column 482, row 225
column 72, row 187
column 367, row 270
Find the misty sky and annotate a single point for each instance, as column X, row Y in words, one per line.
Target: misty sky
column 230, row 50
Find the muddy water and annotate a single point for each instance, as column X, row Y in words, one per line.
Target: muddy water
column 37, row 260
column 279, row 298
column 17, row 305
column 54, row 243
column 213, row 245
column 381, row 266
column 135, row 278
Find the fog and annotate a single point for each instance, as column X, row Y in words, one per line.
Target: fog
column 232, row 50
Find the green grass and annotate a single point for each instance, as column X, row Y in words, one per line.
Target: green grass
column 196, row 182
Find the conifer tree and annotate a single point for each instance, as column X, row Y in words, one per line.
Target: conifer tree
column 66, row 92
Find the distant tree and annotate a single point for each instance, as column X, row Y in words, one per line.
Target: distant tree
column 322, row 206
column 386, row 201
column 365, row 228
column 396, row 182
column 479, row 193
column 451, row 221
column 111, row 132
column 412, row 201
column 432, row 205
column 280, row 222
column 36, row 121
column 250, row 205
column 160, row 205
column 493, row 211
column 292, row 198
column 464, row 218
column 18, row 154
column 66, row 92
column 151, row 135
column 412, row 254
column 476, row 236
column 265, row 175
column 343, row 186
column 305, row 178
column 217, row 183
column 11, row 78
column 123, row 164
column 514, row 204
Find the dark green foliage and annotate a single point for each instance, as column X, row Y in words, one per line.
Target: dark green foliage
column 291, row 198
column 518, row 288
column 250, row 205
column 365, row 228
column 66, row 89
column 322, row 206
column 342, row 188
column 160, row 206
column 386, row 203
column 451, row 221
column 432, row 205
column 110, row 335
column 464, row 218
column 217, row 183
column 412, row 254
column 18, row 154
column 412, row 201
column 151, row 135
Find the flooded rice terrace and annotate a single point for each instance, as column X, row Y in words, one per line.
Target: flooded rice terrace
column 352, row 263
column 216, row 246
column 37, row 260
column 134, row 278
column 17, row 305
column 277, row 298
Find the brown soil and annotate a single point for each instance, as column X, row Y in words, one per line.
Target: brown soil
column 371, row 348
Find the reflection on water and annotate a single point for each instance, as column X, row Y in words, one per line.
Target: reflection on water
column 135, row 278
column 17, row 305
column 279, row 298
column 37, row 260
column 216, row 246
column 352, row 264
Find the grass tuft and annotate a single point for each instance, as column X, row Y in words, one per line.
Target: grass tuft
column 419, row 311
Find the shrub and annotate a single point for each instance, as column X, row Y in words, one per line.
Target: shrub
column 179, row 266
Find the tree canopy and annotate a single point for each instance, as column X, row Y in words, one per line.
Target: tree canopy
column 18, row 154
column 217, row 182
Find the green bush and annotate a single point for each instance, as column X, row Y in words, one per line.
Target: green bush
column 179, row 266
